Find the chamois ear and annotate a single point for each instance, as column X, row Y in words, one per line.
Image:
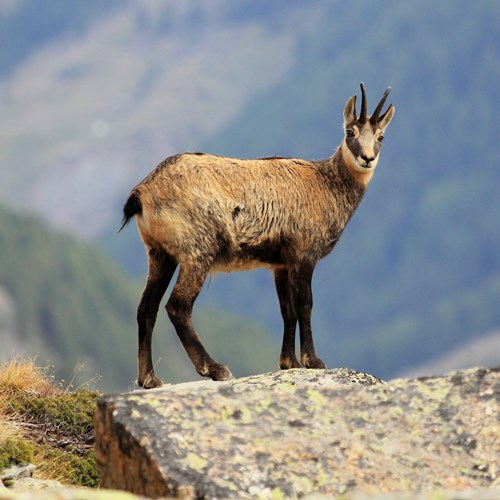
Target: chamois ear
column 386, row 118
column 350, row 110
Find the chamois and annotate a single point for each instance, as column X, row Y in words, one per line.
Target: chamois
column 207, row 213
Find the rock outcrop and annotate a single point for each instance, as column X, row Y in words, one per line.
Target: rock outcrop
column 302, row 432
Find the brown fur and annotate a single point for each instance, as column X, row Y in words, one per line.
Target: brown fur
column 207, row 213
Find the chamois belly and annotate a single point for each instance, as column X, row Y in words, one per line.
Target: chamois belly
column 248, row 257
column 240, row 265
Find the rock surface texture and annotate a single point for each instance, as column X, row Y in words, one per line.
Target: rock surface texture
column 303, row 432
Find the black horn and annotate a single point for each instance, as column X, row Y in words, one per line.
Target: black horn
column 362, row 116
column 378, row 109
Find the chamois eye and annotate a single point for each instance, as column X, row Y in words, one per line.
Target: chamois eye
column 380, row 138
column 349, row 133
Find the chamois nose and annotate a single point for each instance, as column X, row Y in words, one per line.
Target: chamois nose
column 367, row 159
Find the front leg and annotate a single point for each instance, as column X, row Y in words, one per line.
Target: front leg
column 301, row 280
column 283, row 288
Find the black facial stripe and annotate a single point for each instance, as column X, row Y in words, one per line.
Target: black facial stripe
column 355, row 147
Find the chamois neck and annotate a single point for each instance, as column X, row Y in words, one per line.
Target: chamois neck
column 337, row 167
column 340, row 180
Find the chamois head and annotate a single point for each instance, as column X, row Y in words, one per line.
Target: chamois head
column 364, row 134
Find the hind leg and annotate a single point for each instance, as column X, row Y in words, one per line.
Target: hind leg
column 180, row 306
column 161, row 269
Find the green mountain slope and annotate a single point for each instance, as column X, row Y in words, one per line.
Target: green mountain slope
column 75, row 307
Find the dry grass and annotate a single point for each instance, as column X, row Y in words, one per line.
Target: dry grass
column 51, row 465
column 19, row 374
column 8, row 430
column 22, row 374
column 13, row 447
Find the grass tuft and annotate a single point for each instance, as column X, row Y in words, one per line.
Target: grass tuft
column 14, row 449
column 22, row 374
column 42, row 423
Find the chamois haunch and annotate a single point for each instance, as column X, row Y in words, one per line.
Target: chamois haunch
column 208, row 213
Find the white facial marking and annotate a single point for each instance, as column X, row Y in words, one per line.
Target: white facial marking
column 366, row 158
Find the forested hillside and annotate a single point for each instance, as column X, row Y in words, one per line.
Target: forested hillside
column 94, row 94
column 71, row 307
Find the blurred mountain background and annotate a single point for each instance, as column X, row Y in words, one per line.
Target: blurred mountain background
column 94, row 94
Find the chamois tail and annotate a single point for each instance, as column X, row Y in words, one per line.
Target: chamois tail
column 132, row 207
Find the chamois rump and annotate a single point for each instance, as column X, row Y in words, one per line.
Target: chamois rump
column 207, row 213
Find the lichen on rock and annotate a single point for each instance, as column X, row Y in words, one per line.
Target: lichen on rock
column 302, row 432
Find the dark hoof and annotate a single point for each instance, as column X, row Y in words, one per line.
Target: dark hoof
column 315, row 363
column 220, row 372
column 288, row 363
column 150, row 382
